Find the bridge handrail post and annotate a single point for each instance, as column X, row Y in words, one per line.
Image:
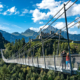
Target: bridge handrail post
column 28, row 60
column 44, row 62
column 32, row 59
column 22, row 59
column 54, row 63
column 37, row 61
column 19, row 57
column 43, row 48
column 33, row 56
column 25, row 58
column 62, row 62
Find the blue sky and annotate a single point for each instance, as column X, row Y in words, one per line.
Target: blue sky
column 20, row 15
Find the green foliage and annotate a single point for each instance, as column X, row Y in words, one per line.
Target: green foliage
column 2, row 42
column 37, row 37
column 4, row 73
column 38, row 52
column 51, row 75
column 68, row 78
column 72, row 78
column 57, row 78
column 62, row 77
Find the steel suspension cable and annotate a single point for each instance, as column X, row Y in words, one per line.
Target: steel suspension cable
column 65, row 29
column 72, row 21
column 62, row 28
column 55, row 14
column 62, row 13
column 73, row 25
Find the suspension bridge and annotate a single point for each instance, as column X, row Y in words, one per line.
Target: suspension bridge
column 49, row 62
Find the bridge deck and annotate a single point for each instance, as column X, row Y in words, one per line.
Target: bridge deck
column 50, row 67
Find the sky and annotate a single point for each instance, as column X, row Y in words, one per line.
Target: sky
column 20, row 15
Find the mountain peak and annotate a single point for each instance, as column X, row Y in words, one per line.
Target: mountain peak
column 15, row 33
column 28, row 31
column 50, row 28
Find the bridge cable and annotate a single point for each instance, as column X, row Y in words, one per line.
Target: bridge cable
column 62, row 13
column 55, row 14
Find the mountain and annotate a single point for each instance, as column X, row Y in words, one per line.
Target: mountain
column 29, row 33
column 50, row 28
column 2, row 41
column 16, row 33
column 12, row 37
column 19, row 35
column 32, row 34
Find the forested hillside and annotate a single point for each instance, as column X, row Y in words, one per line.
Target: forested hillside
column 2, row 41
column 50, row 47
column 22, row 72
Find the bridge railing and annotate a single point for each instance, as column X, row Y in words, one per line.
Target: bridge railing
column 50, row 61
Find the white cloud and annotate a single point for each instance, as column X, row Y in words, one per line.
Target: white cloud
column 31, row 11
column 78, row 24
column 24, row 12
column 45, row 4
column 4, row 28
column 48, row 4
column 78, row 18
column 5, row 13
column 34, row 29
column 41, row 27
column 16, row 26
column 74, row 10
column 17, row 12
column 54, row 7
column 40, row 22
column 38, row 29
column 59, row 25
column 37, row 15
column 72, row 24
column 11, row 11
column 73, row 32
column 1, row 6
